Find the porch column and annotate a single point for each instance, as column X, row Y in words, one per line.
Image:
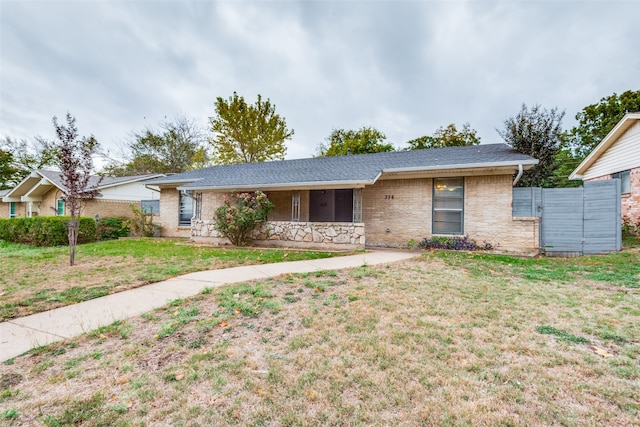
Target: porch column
column 357, row 205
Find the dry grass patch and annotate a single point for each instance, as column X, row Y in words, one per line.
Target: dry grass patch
column 445, row 339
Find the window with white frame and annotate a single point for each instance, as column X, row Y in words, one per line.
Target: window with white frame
column 185, row 212
column 448, row 206
column 12, row 209
column 60, row 207
column 625, row 181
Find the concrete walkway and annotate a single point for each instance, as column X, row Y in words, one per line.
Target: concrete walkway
column 22, row 334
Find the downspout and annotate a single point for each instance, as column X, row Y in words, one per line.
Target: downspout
column 515, row 181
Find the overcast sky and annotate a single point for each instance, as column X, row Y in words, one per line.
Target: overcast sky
column 403, row 67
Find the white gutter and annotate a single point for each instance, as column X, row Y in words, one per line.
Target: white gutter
column 515, row 181
column 462, row 166
column 289, row 185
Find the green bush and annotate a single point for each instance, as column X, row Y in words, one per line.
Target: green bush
column 113, row 228
column 240, row 214
column 45, row 230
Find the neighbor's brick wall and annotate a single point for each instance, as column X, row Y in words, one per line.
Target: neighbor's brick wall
column 108, row 208
column 407, row 215
column 630, row 202
column 403, row 206
column 20, row 209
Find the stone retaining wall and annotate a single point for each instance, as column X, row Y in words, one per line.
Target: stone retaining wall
column 326, row 235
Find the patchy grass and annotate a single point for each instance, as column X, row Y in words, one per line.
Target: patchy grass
column 38, row 279
column 444, row 339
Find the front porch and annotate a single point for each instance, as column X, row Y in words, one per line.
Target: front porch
column 321, row 235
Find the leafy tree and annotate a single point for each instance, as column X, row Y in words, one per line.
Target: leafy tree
column 595, row 121
column 538, row 133
column 74, row 158
column 446, row 137
column 8, row 171
column 246, row 133
column 23, row 157
column 365, row 140
column 240, row 214
column 179, row 147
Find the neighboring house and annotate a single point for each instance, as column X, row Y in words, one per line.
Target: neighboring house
column 618, row 156
column 382, row 199
column 41, row 193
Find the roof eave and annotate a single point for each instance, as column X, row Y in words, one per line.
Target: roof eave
column 606, row 142
column 286, row 186
column 510, row 163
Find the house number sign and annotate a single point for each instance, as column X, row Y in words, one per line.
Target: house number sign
column 388, row 196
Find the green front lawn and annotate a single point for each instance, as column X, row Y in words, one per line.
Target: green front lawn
column 38, row 279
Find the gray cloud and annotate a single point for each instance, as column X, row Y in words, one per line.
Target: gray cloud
column 405, row 68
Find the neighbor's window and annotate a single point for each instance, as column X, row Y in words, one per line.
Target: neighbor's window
column 12, row 209
column 185, row 209
column 625, row 181
column 150, row 206
column 60, row 207
column 448, row 206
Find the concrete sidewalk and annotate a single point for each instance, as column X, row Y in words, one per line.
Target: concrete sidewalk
column 20, row 335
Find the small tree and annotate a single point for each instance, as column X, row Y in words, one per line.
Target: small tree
column 75, row 162
column 365, row 140
column 538, row 133
column 240, row 214
column 446, row 137
column 246, row 133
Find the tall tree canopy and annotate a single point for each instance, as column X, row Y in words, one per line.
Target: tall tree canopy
column 595, row 121
column 245, row 133
column 177, row 147
column 74, row 158
column 21, row 157
column 365, row 140
column 538, row 133
column 446, row 137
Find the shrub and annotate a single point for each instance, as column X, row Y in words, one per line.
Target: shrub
column 240, row 214
column 456, row 243
column 112, row 228
column 45, row 230
column 141, row 225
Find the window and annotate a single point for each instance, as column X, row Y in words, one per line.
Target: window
column 150, row 206
column 625, row 181
column 185, row 212
column 331, row 205
column 59, row 207
column 448, row 206
column 12, row 209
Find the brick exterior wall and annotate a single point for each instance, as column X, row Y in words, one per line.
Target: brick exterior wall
column 630, row 201
column 169, row 210
column 397, row 211
column 47, row 207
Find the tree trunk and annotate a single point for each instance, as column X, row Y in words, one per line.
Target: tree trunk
column 73, row 238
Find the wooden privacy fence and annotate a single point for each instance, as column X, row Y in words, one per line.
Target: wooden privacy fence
column 574, row 221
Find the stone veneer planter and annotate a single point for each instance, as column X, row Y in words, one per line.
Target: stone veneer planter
column 326, row 235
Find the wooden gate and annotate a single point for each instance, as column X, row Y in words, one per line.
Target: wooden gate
column 574, row 221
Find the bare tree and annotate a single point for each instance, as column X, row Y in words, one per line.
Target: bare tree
column 75, row 162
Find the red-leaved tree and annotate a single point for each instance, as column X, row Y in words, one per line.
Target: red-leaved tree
column 75, row 162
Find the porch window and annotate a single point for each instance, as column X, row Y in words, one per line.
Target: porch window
column 331, row 205
column 625, row 181
column 59, row 207
column 12, row 209
column 448, row 206
column 185, row 209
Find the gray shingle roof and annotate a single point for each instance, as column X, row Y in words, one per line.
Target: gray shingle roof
column 363, row 168
column 56, row 179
